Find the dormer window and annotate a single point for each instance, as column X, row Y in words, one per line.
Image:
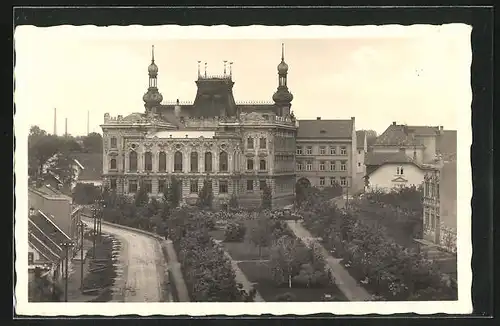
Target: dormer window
column 399, row 170
column 322, row 131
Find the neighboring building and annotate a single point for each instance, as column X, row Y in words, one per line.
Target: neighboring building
column 239, row 147
column 327, row 153
column 402, row 155
column 89, row 167
column 362, row 149
column 440, row 196
column 45, row 250
column 57, row 206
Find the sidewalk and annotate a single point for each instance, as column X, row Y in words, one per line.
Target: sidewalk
column 74, row 277
column 344, row 281
column 241, row 278
column 175, row 268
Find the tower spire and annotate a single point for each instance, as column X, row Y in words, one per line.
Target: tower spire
column 152, row 53
column 199, row 73
column 282, row 51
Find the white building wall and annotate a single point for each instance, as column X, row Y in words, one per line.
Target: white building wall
column 381, row 179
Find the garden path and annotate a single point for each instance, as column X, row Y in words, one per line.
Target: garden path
column 344, row 281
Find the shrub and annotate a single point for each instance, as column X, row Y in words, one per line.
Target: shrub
column 285, row 297
column 234, row 232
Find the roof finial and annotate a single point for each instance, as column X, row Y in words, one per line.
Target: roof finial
column 231, row 69
column 205, row 69
column 225, row 62
column 199, row 74
column 152, row 53
column 282, row 51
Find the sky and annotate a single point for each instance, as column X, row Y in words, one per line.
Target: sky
column 418, row 75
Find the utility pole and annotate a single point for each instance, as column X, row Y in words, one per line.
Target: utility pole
column 66, row 245
column 82, row 262
column 94, row 231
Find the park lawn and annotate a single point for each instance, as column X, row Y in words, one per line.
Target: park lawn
column 259, row 274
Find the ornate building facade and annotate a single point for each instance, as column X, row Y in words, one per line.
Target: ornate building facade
column 238, row 147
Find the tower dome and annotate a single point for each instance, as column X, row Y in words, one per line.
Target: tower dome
column 282, row 67
column 152, row 97
column 282, row 96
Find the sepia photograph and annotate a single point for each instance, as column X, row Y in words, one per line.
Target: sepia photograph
column 163, row 169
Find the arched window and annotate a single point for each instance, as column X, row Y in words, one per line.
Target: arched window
column 148, row 161
column 208, row 162
column 250, row 143
column 223, row 162
column 112, row 164
column 194, row 162
column 250, row 164
column 262, row 164
column 162, row 162
column 113, row 142
column 178, row 162
column 132, row 161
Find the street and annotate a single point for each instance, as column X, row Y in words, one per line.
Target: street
column 142, row 266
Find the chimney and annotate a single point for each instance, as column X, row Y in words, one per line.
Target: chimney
column 88, row 121
column 55, row 121
column 353, row 118
column 394, row 123
column 318, row 118
column 66, row 127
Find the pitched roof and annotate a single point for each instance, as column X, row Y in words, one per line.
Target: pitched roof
column 378, row 159
column 360, row 139
column 403, row 135
column 92, row 165
column 45, row 235
column 325, row 129
column 447, row 145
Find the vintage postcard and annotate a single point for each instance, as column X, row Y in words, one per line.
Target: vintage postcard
column 243, row 170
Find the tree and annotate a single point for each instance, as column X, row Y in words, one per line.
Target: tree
column 141, row 198
column 233, row 202
column 85, row 193
column 173, row 193
column 44, row 289
column 261, row 233
column 41, row 147
column 267, row 197
column 63, row 167
column 205, row 195
column 92, row 143
column 287, row 256
column 301, row 192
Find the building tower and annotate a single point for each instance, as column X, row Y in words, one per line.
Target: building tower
column 152, row 99
column 282, row 97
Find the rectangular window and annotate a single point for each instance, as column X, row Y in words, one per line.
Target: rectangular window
column 250, row 143
column 332, row 181
column 359, row 151
column 333, row 150
column 309, row 150
column 193, row 186
column 333, row 166
column 31, row 258
column 249, row 185
column 112, row 184
column 299, row 166
column 399, row 170
column 343, row 150
column 322, row 166
column 343, row 166
column 113, row 142
column 148, row 185
column 322, row 181
column 322, row 150
column 299, row 150
column 343, row 181
column 161, row 186
column 309, row 166
column 223, row 188
column 262, row 143
column 359, row 164
column 132, row 186
column 262, row 184
column 249, row 164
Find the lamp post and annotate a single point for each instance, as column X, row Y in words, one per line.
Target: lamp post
column 82, row 227
column 66, row 245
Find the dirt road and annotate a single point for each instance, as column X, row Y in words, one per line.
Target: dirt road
column 142, row 266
